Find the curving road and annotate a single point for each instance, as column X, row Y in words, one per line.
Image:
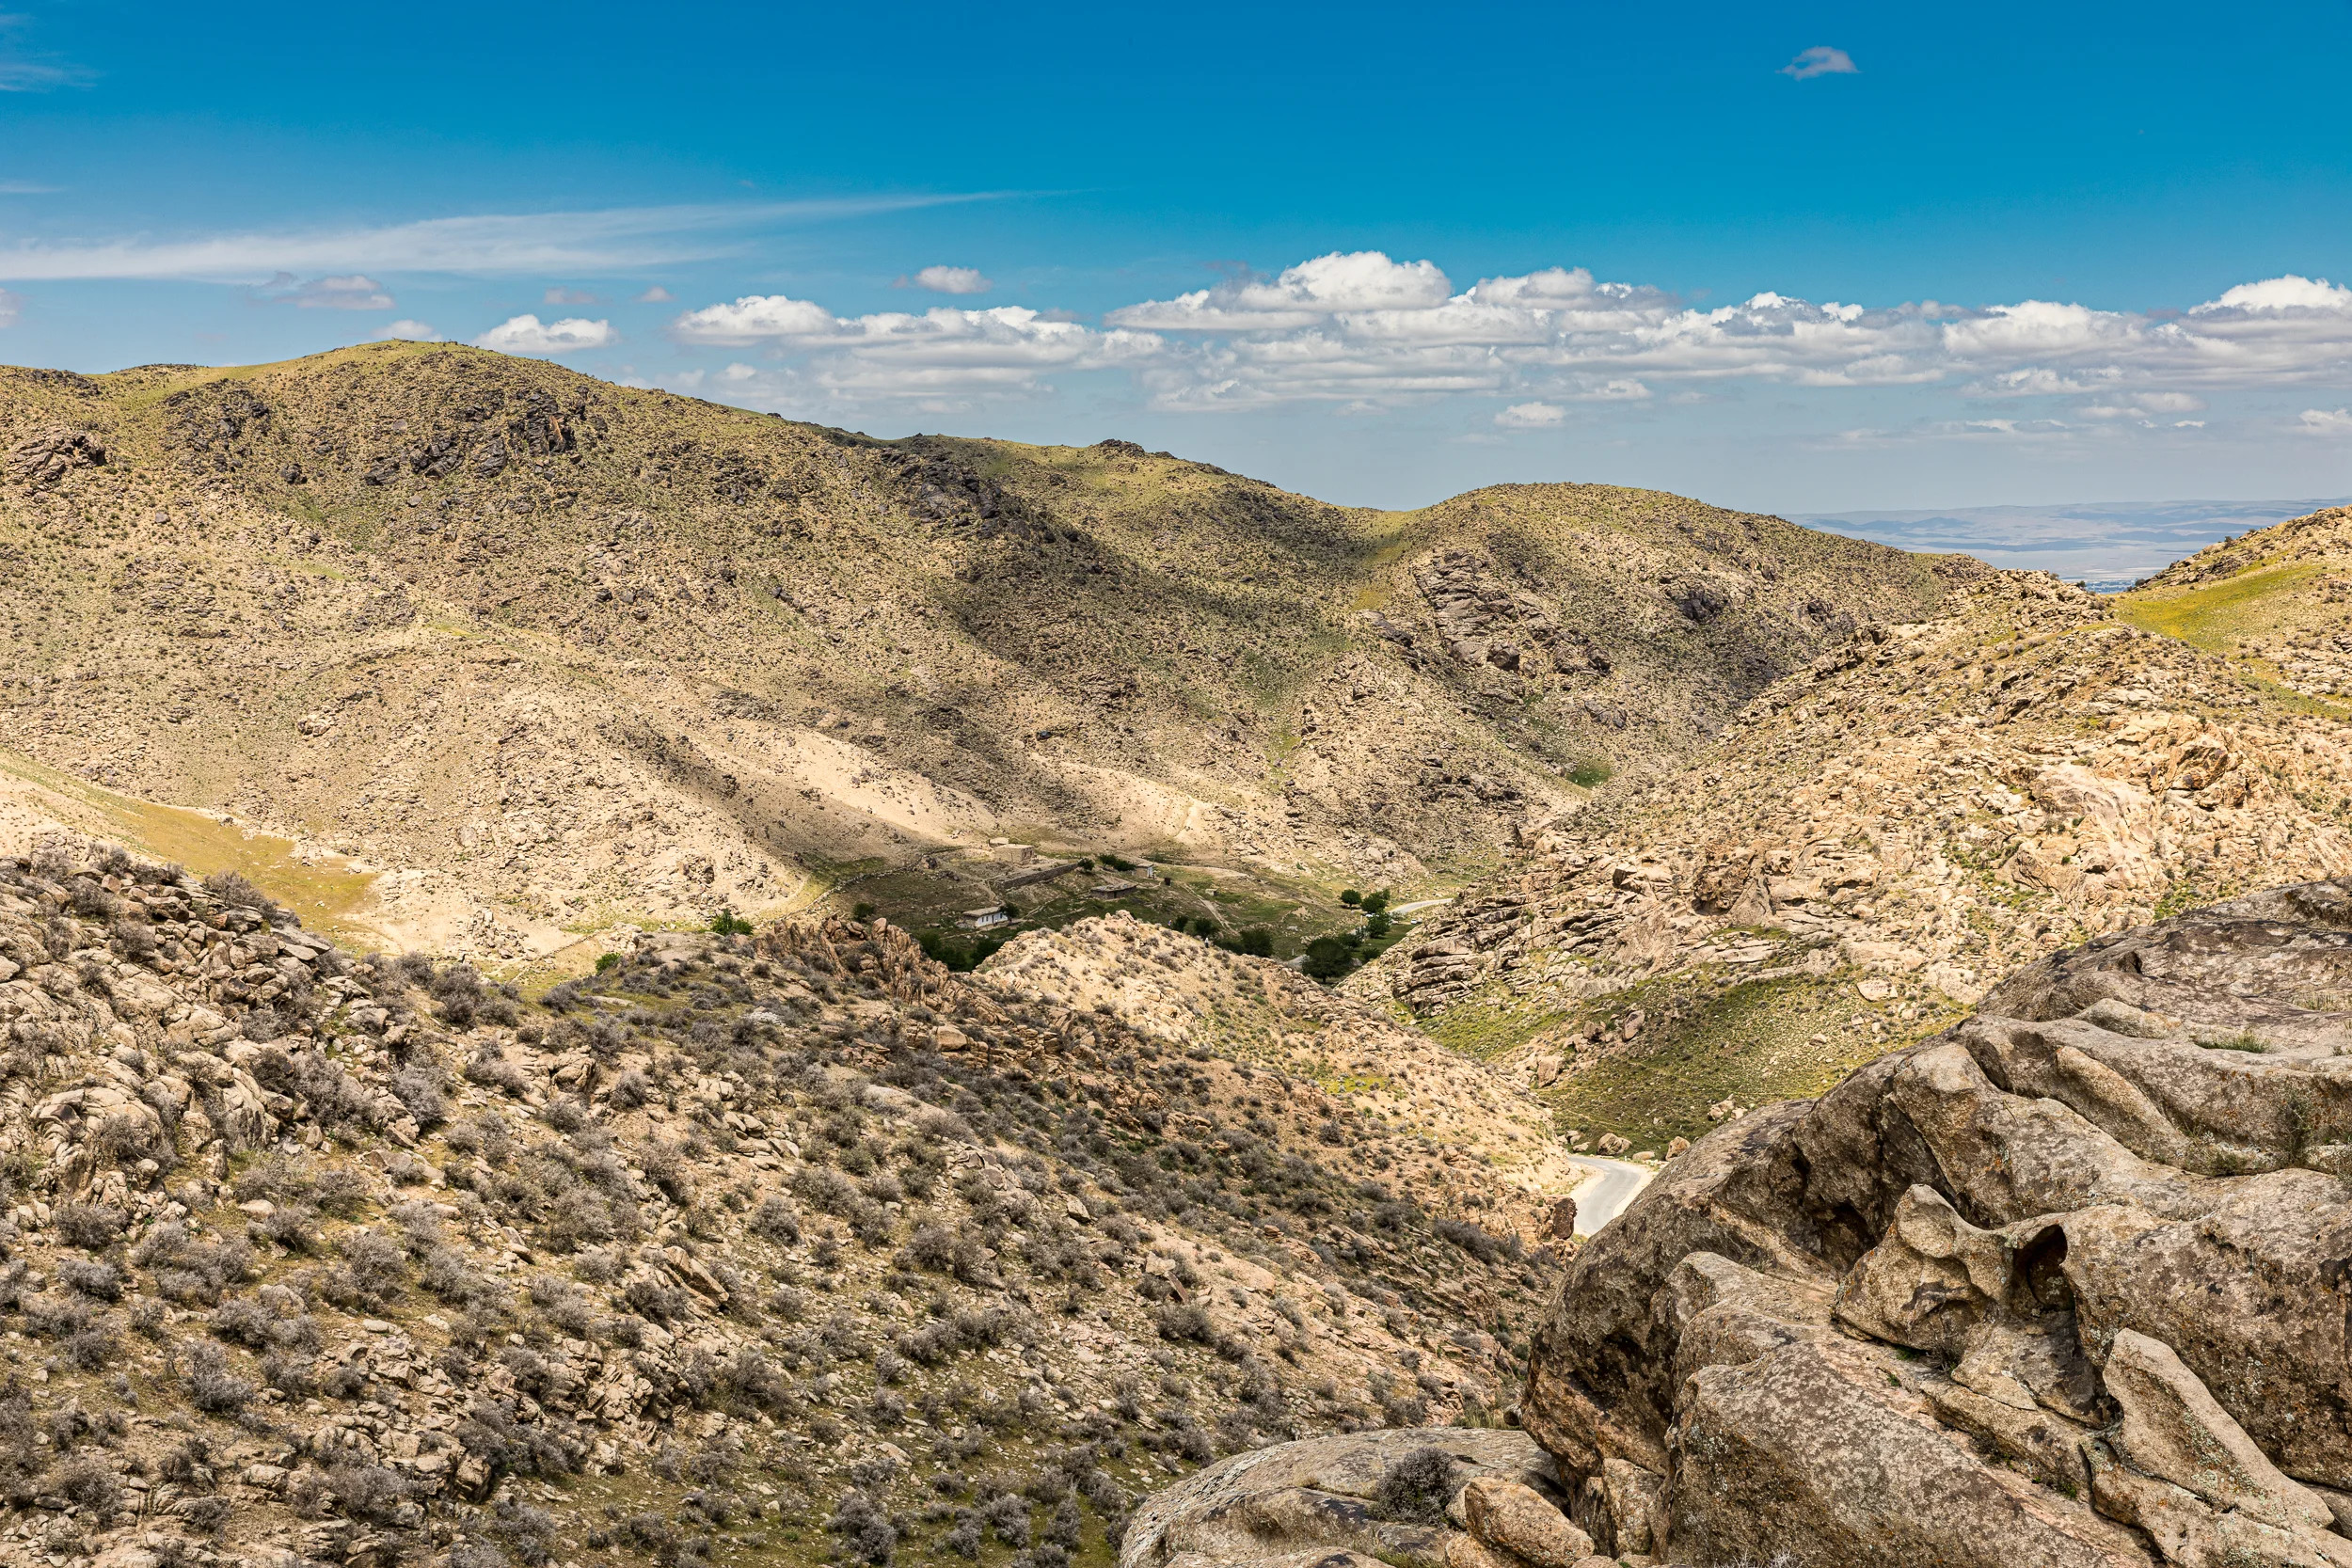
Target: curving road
column 1603, row 1193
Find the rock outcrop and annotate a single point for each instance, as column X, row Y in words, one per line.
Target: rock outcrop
column 1867, row 846
column 2068, row 1285
column 2065, row 1284
column 1422, row 1497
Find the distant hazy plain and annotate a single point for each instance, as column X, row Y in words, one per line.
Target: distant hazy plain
column 2108, row 544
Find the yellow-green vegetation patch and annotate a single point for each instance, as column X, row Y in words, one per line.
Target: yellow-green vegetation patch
column 2213, row 617
column 1490, row 1021
column 1790, row 1037
column 324, row 891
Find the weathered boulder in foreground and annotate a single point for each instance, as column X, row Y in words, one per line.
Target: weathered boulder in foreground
column 1321, row 1502
column 2067, row 1284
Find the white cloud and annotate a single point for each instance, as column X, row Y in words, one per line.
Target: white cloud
column 1351, row 327
column 1360, row 330
column 528, row 334
column 997, row 351
column 1531, row 415
column 656, row 295
column 1821, row 60
column 11, row 307
column 2290, row 292
column 405, row 331
column 949, row 280
column 25, row 187
column 492, row 244
column 2326, row 421
column 353, row 292
column 1303, row 296
column 755, row 317
column 558, row 294
column 2144, row 407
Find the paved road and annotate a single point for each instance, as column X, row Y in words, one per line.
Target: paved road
column 1602, row 1196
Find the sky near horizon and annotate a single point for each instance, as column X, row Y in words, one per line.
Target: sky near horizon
column 1807, row 259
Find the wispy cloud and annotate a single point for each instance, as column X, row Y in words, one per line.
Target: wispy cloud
column 1821, row 60
column 25, row 187
column 560, row 295
column 11, row 307
column 656, row 295
column 529, row 335
column 21, row 71
column 948, row 280
column 1531, row 415
column 349, row 291
column 615, row 240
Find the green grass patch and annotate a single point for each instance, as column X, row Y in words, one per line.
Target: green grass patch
column 1490, row 1021
column 2214, row 616
column 1752, row 1043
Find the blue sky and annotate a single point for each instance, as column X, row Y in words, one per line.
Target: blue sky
column 1377, row 254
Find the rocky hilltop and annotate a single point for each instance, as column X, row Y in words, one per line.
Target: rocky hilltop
column 1860, row 853
column 2064, row 1285
column 543, row 655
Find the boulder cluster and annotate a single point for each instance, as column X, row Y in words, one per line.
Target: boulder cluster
column 313, row 1256
column 2069, row 1283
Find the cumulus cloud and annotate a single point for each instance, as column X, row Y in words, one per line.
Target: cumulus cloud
column 354, row 292
column 656, row 295
column 1302, row 296
column 902, row 353
column 1349, row 327
column 405, row 331
column 1821, row 60
column 755, row 317
column 558, row 294
column 2277, row 294
column 529, row 335
column 2324, row 422
column 1361, row 330
column 1531, row 415
column 948, row 280
column 11, row 307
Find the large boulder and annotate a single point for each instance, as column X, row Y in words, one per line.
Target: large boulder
column 2069, row 1283
column 1386, row 1496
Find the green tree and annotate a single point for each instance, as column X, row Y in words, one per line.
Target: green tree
column 1329, row 958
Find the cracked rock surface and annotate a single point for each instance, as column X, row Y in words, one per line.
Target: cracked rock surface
column 2066, row 1284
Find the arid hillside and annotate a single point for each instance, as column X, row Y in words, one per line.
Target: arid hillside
column 541, row 655
column 784, row 1249
column 1927, row 807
